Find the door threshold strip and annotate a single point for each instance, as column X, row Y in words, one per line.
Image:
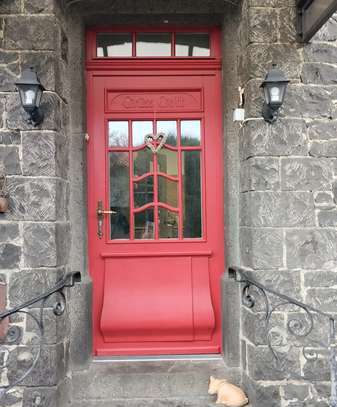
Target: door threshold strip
column 160, row 358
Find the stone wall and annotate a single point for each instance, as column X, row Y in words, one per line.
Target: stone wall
column 288, row 215
column 35, row 233
column 281, row 184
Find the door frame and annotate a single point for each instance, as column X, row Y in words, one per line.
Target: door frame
column 114, row 66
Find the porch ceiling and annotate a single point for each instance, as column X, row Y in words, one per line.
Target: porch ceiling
column 85, row 7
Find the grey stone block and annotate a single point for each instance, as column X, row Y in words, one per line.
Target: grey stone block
column 253, row 99
column 39, row 247
column 324, row 299
column 287, row 25
column 260, row 174
column 324, row 200
column 151, row 380
column 10, row 137
column 286, row 56
column 284, row 281
column 231, row 306
column 263, row 366
column 298, row 392
column 9, row 157
column 10, row 6
column 80, row 305
column 62, row 200
column 322, row 130
column 63, row 239
column 56, row 328
column 270, row 3
column 327, row 218
column 321, row 390
column 32, row 199
column 28, row 284
column 278, row 209
column 316, row 99
column 39, row 153
column 62, row 157
column 319, row 74
column 311, row 248
column 39, row 6
column 317, row 369
column 324, row 148
column 306, row 174
column 320, row 278
column 40, row 396
column 48, row 371
column 2, row 109
column 260, row 394
column 318, row 52
column 21, row 29
column 163, row 402
column 254, row 325
column 11, row 399
column 262, row 25
column 286, row 137
column 9, row 232
column 261, row 248
column 10, row 255
column 10, row 72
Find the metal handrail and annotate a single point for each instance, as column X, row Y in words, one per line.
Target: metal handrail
column 14, row 333
column 298, row 327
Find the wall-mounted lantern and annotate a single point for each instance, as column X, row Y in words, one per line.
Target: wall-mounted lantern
column 274, row 87
column 31, row 90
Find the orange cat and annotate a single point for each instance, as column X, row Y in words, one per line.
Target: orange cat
column 228, row 394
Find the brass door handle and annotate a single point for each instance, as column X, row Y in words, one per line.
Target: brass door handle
column 100, row 216
column 101, row 212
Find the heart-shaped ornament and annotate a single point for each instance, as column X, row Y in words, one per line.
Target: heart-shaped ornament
column 151, row 140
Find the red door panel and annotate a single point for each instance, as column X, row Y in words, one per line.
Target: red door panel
column 155, row 162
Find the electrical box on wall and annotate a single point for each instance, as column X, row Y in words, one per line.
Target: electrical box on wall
column 238, row 115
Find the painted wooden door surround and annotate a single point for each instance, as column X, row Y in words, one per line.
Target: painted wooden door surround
column 155, row 162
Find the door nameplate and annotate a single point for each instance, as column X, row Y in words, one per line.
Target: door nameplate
column 158, row 101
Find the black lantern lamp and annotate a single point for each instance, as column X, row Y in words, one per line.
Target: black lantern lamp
column 30, row 90
column 274, row 88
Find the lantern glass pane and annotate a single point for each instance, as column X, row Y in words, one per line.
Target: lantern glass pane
column 275, row 94
column 283, row 88
column 28, row 95
column 38, row 97
column 266, row 94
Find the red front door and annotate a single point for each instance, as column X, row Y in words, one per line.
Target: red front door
column 156, row 238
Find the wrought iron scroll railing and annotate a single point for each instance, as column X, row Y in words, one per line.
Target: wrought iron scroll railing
column 306, row 328
column 12, row 333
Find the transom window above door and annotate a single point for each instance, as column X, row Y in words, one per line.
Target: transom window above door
column 153, row 44
column 155, row 180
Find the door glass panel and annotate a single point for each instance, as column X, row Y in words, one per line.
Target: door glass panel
column 119, row 195
column 191, row 194
column 169, row 127
column 142, row 161
column 143, row 191
column 114, row 45
column 139, row 130
column 118, row 134
column 168, row 162
column 192, row 45
column 190, row 132
column 144, row 224
column 168, row 224
column 153, row 45
column 168, row 191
